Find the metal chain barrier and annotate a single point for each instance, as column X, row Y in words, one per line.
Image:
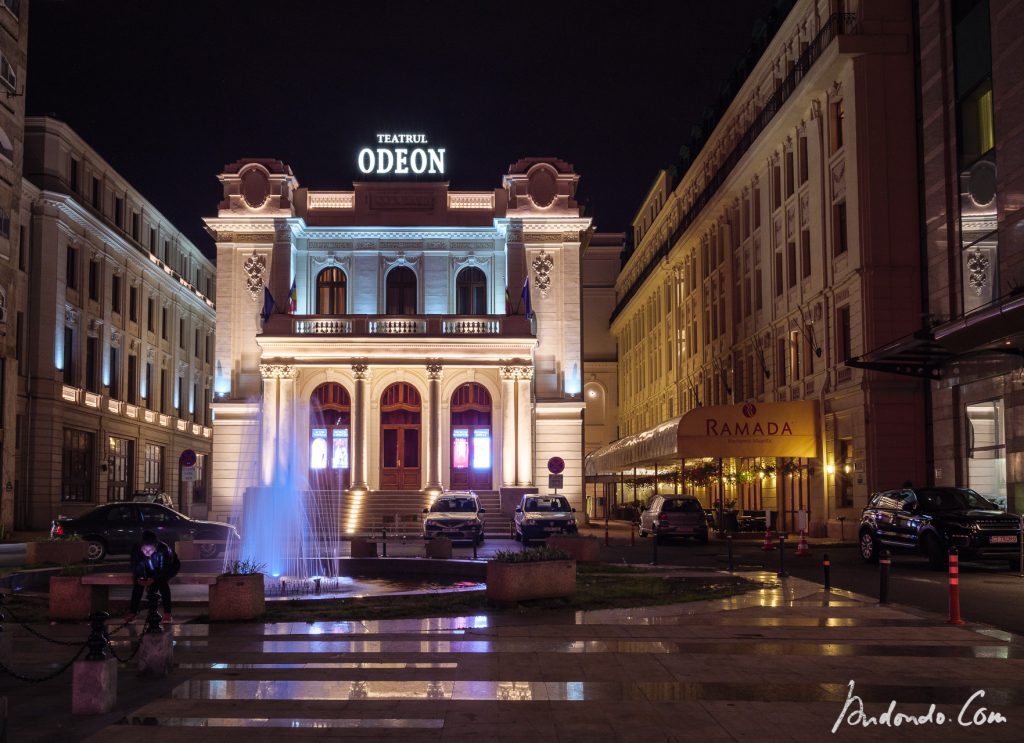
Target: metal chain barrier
column 48, row 677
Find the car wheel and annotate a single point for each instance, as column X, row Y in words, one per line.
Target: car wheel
column 938, row 558
column 868, row 546
column 97, row 550
column 208, row 551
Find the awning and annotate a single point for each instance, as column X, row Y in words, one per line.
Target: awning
column 780, row 429
column 917, row 355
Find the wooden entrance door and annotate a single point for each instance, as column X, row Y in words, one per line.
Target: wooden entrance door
column 400, row 412
column 471, row 444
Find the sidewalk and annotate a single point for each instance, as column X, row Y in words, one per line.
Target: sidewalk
column 770, row 665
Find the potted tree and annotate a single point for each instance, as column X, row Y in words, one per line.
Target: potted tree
column 238, row 594
column 537, row 573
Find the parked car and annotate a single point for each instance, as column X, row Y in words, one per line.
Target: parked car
column 152, row 496
column 931, row 520
column 674, row 516
column 456, row 516
column 540, row 516
column 113, row 528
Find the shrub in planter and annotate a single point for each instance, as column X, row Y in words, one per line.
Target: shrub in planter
column 581, row 549
column 238, row 594
column 538, row 573
column 59, row 551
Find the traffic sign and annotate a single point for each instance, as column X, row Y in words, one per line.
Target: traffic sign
column 556, row 465
column 554, row 481
column 188, row 474
column 188, row 458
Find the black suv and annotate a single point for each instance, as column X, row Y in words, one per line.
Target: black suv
column 931, row 520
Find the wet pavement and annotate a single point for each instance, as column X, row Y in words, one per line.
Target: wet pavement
column 774, row 664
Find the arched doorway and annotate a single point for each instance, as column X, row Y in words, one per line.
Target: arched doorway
column 331, row 285
column 400, row 294
column 330, row 410
column 400, row 438
column 471, row 464
column 471, row 292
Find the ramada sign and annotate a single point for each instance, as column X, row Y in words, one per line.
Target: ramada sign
column 716, row 427
column 789, row 429
column 393, row 158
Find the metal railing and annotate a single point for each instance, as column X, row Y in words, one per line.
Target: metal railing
column 420, row 325
column 836, row 25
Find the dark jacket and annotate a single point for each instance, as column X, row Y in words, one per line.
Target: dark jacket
column 163, row 565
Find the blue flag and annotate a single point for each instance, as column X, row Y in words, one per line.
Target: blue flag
column 268, row 303
column 527, row 306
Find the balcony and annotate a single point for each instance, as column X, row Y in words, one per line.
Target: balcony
column 429, row 326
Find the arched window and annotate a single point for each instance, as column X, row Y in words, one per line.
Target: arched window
column 471, row 292
column 330, row 292
column 471, row 446
column 401, row 292
column 330, row 409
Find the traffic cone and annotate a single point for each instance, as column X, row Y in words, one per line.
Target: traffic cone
column 767, row 546
column 802, row 550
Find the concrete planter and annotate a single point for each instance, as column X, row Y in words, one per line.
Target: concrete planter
column 581, row 549
column 70, row 600
column 440, row 548
column 58, row 551
column 520, row 581
column 363, row 548
column 187, row 550
column 237, row 598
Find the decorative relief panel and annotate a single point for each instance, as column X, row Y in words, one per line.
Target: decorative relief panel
column 401, row 259
column 70, row 315
column 542, row 266
column 839, row 179
column 278, row 371
column 805, row 201
column 255, row 268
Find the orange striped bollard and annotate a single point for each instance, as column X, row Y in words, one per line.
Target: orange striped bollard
column 954, row 587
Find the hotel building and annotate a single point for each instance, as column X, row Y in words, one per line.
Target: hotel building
column 372, row 343
column 114, row 339
column 788, row 245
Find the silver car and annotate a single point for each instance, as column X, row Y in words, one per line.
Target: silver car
column 456, row 516
column 540, row 516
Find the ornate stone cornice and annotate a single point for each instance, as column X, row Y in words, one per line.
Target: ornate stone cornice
column 278, row 371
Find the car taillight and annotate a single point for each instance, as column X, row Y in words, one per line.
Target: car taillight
column 663, row 517
column 58, row 531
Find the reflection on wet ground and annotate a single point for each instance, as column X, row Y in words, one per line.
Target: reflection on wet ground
column 781, row 658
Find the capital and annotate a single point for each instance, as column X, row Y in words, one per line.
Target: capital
column 524, row 372
column 360, row 371
column 278, row 371
column 434, row 371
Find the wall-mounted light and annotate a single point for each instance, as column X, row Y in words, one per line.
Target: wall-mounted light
column 846, row 468
column 830, row 469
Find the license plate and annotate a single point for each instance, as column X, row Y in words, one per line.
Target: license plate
column 1006, row 539
column 552, row 528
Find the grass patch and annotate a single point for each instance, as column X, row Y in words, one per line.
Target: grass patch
column 592, row 592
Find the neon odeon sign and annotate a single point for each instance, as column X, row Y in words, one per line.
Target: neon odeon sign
column 392, row 157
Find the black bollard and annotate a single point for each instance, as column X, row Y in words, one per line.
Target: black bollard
column 728, row 549
column 654, row 548
column 826, row 566
column 474, row 548
column 782, row 557
column 883, row 576
column 316, row 583
column 153, row 615
column 98, row 638
column 384, row 542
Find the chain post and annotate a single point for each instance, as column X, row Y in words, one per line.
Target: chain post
column 728, row 549
column 827, row 567
column 884, row 562
column 153, row 616
column 98, row 638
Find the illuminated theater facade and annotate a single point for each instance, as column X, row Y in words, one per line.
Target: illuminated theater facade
column 375, row 342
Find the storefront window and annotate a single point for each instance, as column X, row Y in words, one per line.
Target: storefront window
column 481, row 449
column 318, row 449
column 986, row 450
column 339, row 453
column 460, row 448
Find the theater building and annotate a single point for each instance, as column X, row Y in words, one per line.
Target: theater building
column 373, row 344
column 783, row 248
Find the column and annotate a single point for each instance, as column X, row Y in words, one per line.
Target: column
column 434, row 454
column 286, row 453
column 361, row 373
column 524, row 434
column 268, row 457
column 508, row 425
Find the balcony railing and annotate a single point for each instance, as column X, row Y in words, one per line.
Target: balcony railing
column 399, row 325
column 837, row 24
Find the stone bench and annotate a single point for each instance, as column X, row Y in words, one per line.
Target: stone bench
column 76, row 597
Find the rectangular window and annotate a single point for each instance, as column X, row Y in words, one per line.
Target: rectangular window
column 756, row 203
column 19, row 344
column 164, row 321
column 780, row 362
column 133, row 383
column 97, row 194
column 778, row 274
column 460, row 448
column 120, row 468
column 977, row 124
column 181, row 333
column 23, row 248
column 91, row 364
column 71, row 268
column 164, row 389
column 481, row 449
column 197, row 343
column 150, row 311
column 94, row 281
column 844, row 473
column 776, row 187
column 152, row 240
column 73, row 169
column 133, row 304
column 837, row 112
column 805, row 252
column 839, row 239
column 115, row 293
column 791, row 260
column 69, row 356
column 114, row 388
column 77, row 466
column 167, row 251
column 758, row 290
column 844, row 348
column 119, row 211
column 804, row 166
column 148, row 392
column 136, row 225
column 790, row 185
column 209, row 345
column 180, row 408
column 794, row 354
column 153, row 470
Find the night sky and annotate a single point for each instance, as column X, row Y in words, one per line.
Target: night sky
column 168, row 92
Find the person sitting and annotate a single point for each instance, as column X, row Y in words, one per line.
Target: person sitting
column 154, row 563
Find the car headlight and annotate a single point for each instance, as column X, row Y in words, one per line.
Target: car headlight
column 528, row 522
column 571, row 522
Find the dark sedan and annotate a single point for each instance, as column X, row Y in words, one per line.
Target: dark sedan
column 113, row 528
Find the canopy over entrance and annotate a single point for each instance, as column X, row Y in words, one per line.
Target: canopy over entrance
column 778, row 429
